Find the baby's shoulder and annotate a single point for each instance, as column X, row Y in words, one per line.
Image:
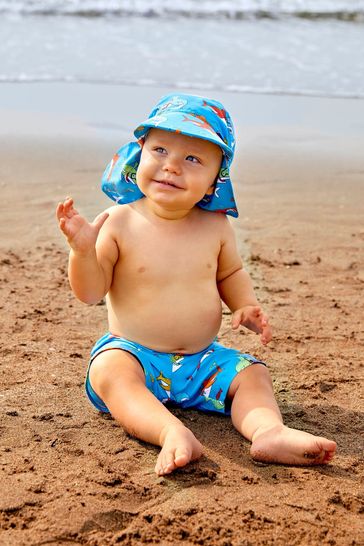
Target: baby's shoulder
column 118, row 213
column 212, row 226
column 115, row 211
column 118, row 221
column 217, row 220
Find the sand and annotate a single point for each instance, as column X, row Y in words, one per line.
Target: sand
column 70, row 475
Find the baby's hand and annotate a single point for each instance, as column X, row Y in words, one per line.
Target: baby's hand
column 81, row 235
column 253, row 318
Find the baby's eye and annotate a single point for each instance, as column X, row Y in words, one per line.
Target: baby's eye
column 160, row 150
column 193, row 159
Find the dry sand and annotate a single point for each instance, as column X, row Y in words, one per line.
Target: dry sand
column 70, row 475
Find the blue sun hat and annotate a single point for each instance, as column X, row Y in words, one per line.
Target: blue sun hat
column 189, row 115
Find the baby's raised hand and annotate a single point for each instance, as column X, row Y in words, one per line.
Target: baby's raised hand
column 253, row 318
column 81, row 235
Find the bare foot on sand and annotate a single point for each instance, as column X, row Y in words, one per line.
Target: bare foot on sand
column 285, row 445
column 179, row 447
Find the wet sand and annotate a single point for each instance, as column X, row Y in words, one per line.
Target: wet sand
column 70, row 475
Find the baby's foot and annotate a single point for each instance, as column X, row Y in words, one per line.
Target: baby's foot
column 281, row 444
column 179, row 448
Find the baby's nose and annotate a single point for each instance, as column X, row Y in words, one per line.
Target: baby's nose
column 172, row 165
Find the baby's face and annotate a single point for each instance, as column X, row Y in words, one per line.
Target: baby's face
column 176, row 171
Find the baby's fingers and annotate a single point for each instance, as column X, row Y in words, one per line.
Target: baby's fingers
column 257, row 312
column 62, row 223
column 68, row 208
column 236, row 319
column 63, row 226
column 264, row 321
column 63, row 208
column 60, row 211
column 266, row 336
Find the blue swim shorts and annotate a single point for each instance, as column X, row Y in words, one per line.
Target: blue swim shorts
column 200, row 381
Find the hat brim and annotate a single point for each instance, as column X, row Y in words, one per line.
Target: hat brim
column 185, row 124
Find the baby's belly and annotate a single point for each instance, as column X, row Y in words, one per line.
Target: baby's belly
column 168, row 321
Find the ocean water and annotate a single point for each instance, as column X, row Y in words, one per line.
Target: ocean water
column 304, row 47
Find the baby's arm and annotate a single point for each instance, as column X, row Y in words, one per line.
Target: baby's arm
column 93, row 253
column 236, row 288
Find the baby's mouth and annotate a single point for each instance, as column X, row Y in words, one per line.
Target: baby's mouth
column 168, row 183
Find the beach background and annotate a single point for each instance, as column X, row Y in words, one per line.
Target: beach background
column 75, row 78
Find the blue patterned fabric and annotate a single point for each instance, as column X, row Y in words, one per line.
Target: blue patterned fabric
column 189, row 115
column 199, row 380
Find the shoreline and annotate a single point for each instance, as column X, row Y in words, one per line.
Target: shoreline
column 69, row 99
column 183, row 88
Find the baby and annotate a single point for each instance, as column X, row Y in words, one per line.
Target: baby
column 165, row 256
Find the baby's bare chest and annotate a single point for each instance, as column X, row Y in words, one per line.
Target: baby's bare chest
column 175, row 255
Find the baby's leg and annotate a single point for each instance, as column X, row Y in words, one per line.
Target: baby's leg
column 118, row 379
column 256, row 415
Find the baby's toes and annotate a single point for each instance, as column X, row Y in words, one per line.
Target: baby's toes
column 182, row 456
column 323, row 450
column 314, row 457
column 329, row 455
column 165, row 462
